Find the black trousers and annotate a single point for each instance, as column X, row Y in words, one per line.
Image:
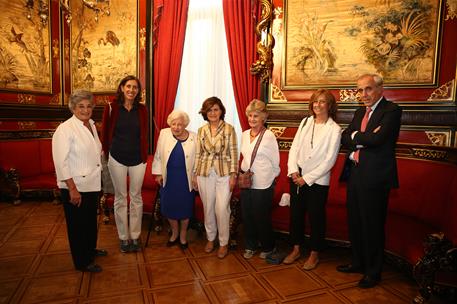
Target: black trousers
column 256, row 206
column 367, row 210
column 81, row 227
column 311, row 200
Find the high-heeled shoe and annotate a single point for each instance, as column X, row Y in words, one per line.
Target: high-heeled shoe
column 183, row 245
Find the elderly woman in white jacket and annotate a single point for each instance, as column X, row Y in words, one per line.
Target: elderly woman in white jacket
column 311, row 157
column 173, row 166
column 76, row 152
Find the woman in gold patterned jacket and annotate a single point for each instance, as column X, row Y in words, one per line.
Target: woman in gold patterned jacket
column 216, row 171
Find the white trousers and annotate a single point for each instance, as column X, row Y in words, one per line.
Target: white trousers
column 215, row 194
column 123, row 218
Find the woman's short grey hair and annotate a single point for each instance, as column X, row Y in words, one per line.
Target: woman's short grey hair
column 79, row 96
column 257, row 106
column 178, row 114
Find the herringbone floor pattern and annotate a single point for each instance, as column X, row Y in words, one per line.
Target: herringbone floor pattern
column 36, row 267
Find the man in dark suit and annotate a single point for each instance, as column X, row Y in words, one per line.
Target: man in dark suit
column 370, row 138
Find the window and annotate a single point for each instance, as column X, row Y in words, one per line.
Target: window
column 205, row 69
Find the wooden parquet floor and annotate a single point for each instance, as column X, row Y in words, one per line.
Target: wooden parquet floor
column 36, row 267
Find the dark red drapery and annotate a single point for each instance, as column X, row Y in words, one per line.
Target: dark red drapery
column 240, row 21
column 170, row 19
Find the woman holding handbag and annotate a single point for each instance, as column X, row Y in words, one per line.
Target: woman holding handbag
column 260, row 152
column 311, row 157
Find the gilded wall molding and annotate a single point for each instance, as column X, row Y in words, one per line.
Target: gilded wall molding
column 55, row 100
column 142, row 39
column 26, row 134
column 102, row 100
column 429, row 154
column 451, row 9
column 438, row 138
column 277, row 94
column 26, row 125
column 263, row 66
column 55, row 49
column 284, row 145
column 26, row 98
column 444, row 92
column 277, row 131
column 349, row 95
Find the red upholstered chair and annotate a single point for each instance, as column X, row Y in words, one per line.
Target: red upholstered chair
column 31, row 160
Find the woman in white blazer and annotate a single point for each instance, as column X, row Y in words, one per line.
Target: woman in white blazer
column 311, row 157
column 173, row 166
column 76, row 152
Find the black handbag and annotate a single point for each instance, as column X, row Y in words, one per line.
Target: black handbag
column 245, row 178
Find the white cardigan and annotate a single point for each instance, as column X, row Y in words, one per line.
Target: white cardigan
column 165, row 145
column 315, row 162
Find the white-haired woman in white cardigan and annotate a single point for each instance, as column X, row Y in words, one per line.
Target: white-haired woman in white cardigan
column 173, row 166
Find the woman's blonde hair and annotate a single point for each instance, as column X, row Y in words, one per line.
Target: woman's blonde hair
column 257, row 106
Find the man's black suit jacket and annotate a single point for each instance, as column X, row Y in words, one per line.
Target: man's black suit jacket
column 377, row 164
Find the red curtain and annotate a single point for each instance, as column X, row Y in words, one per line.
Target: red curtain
column 240, row 20
column 170, row 18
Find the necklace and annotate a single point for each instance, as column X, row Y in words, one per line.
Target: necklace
column 312, row 134
column 254, row 135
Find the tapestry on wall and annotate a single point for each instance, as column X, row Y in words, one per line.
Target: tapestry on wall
column 330, row 43
column 25, row 46
column 104, row 47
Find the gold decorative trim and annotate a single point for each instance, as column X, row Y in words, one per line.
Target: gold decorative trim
column 438, row 138
column 66, row 98
column 26, row 98
column 284, row 145
column 429, row 154
column 349, row 95
column 277, row 131
column 264, row 65
column 278, row 11
column 142, row 39
column 26, row 125
column 102, row 100
column 443, row 93
column 55, row 49
column 143, row 96
column 451, row 9
column 67, row 49
column 55, row 100
column 277, row 94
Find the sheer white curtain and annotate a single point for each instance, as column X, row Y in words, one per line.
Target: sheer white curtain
column 205, row 69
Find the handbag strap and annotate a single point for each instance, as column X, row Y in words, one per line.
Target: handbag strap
column 256, row 147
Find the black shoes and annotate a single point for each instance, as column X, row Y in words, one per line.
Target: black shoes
column 349, row 268
column 135, row 245
column 100, row 252
column 91, row 268
column 369, row 281
column 183, row 245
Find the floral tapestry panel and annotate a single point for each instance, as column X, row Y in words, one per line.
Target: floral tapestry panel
column 330, row 43
column 25, row 46
column 104, row 46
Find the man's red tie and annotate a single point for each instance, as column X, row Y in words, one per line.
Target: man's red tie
column 363, row 126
